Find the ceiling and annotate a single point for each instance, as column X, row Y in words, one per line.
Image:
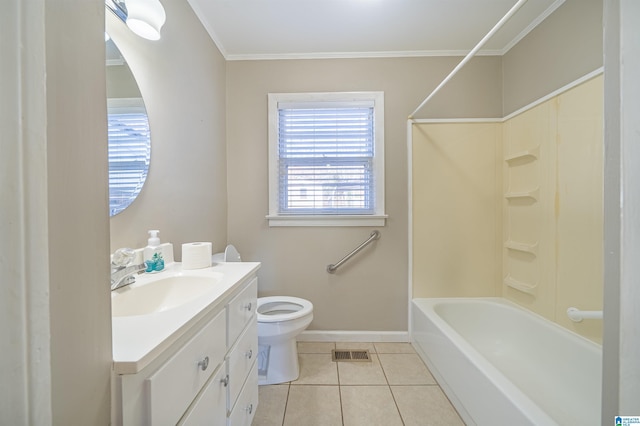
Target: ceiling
column 280, row 29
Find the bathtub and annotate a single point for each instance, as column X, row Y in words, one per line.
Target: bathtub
column 500, row 364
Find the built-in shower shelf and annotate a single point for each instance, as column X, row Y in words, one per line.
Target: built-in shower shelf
column 532, row 194
column 523, row 247
column 527, row 155
column 520, row 286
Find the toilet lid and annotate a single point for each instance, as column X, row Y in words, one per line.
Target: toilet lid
column 231, row 254
column 282, row 308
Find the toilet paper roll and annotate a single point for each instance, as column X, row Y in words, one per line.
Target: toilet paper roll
column 196, row 255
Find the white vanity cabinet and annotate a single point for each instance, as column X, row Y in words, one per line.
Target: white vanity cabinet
column 210, row 408
column 241, row 359
column 175, row 384
column 207, row 376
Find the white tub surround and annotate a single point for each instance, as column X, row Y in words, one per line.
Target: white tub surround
column 194, row 363
column 501, row 364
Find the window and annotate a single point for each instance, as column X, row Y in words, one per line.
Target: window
column 129, row 151
column 326, row 159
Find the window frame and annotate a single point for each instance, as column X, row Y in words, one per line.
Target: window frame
column 275, row 217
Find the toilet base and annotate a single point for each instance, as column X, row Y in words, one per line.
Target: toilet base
column 278, row 363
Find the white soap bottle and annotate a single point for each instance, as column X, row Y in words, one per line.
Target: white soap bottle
column 153, row 252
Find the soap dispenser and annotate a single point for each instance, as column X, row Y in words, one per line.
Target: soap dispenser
column 153, row 253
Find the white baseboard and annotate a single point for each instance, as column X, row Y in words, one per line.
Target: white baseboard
column 352, row 336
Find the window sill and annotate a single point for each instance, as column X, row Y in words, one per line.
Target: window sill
column 326, row 220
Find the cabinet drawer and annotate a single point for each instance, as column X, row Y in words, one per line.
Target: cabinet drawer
column 172, row 388
column 245, row 409
column 240, row 360
column 241, row 310
column 210, row 408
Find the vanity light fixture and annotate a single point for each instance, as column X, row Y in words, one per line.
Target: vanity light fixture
column 144, row 17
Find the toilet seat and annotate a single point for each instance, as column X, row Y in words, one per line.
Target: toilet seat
column 282, row 308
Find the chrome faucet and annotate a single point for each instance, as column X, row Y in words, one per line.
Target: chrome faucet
column 121, row 269
column 122, row 276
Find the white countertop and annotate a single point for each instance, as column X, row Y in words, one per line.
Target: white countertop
column 138, row 340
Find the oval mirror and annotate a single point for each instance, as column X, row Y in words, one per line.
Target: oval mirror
column 129, row 135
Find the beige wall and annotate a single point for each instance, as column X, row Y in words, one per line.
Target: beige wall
column 369, row 293
column 185, row 195
column 78, row 227
column 54, row 326
column 457, row 232
column 121, row 83
column 563, row 48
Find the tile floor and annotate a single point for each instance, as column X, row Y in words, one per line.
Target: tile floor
column 395, row 388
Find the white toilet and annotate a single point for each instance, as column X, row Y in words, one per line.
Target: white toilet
column 280, row 320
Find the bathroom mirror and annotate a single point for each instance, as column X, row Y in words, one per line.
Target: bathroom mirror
column 128, row 132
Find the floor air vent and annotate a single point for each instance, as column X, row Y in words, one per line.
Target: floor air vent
column 346, row 355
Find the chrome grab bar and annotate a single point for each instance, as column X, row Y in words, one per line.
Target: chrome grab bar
column 374, row 236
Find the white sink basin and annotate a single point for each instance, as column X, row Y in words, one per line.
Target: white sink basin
column 161, row 294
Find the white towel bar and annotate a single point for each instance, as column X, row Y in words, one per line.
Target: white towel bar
column 576, row 315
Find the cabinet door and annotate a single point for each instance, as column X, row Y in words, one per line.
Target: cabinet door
column 173, row 387
column 241, row 309
column 210, row 408
column 245, row 409
column 240, row 360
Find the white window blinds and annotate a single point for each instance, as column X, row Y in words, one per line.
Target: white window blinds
column 326, row 154
column 129, row 154
column 326, row 159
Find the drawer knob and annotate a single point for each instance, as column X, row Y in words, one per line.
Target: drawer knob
column 249, row 306
column 204, row 363
column 225, row 381
column 249, row 408
column 249, row 353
